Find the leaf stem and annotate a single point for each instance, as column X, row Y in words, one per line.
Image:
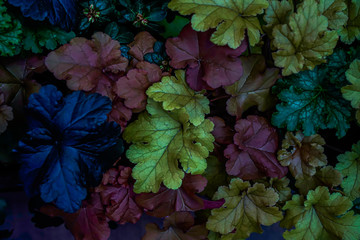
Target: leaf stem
column 219, row 98
column 334, row 148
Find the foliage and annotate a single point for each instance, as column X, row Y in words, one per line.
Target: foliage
column 321, row 216
column 304, row 41
column 203, row 102
column 63, row 132
column 231, row 19
column 352, row 92
column 311, row 100
column 349, row 166
column 246, row 207
column 205, row 68
column 10, row 33
column 252, row 155
column 166, row 139
column 174, row 93
column 305, row 155
column 351, row 32
column 178, row 225
column 61, row 13
column 253, row 88
column 49, row 38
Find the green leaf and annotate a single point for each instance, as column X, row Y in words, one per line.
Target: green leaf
column 312, row 100
column 174, row 93
column 42, row 37
column 352, row 92
column 351, row 31
column 277, row 13
column 173, row 28
column 320, row 216
column 304, row 41
column 119, row 33
column 10, row 33
column 349, row 166
column 245, row 209
column 216, row 175
column 335, row 11
column 325, row 176
column 161, row 141
column 230, row 18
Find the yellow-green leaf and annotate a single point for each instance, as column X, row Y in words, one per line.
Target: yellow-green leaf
column 174, row 93
column 320, row 216
column 349, row 166
column 230, row 18
column 246, row 207
column 351, row 31
column 276, row 14
column 160, row 141
column 334, row 11
column 352, row 92
column 305, row 41
column 325, row 176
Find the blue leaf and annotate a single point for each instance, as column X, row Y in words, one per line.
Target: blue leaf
column 59, row 12
column 61, row 153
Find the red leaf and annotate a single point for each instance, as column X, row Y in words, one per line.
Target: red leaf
column 180, row 225
column 253, row 154
column 119, row 113
column 89, row 223
column 143, row 43
column 223, row 134
column 132, row 87
column 208, row 65
column 88, row 65
column 167, row 201
column 118, row 197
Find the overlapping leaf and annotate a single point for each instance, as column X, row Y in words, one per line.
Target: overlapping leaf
column 59, row 12
column 17, row 83
column 312, row 100
column 246, row 207
column 335, row 11
column 281, row 187
column 351, row 31
column 302, row 154
column 207, row 65
column 89, row 223
column 352, row 92
column 253, row 88
column 230, row 19
column 161, row 141
column 252, row 155
column 132, row 87
column 277, row 13
column 216, row 176
column 325, row 176
column 179, row 225
column 174, row 93
column 223, row 134
column 321, row 216
column 349, row 166
column 304, row 41
column 88, row 65
column 10, row 33
column 117, row 196
column 60, row 154
column 166, row 201
column 49, row 38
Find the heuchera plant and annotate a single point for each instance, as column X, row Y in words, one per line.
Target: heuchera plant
column 219, row 117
